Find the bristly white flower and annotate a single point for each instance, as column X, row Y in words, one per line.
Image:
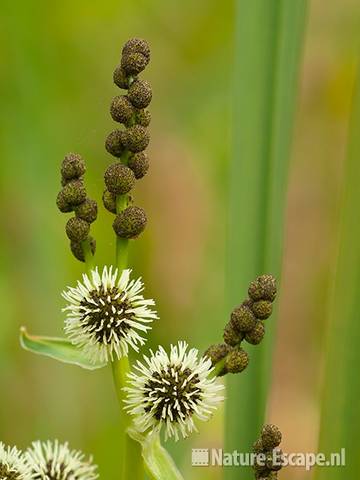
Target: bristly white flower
column 55, row 461
column 13, row 465
column 172, row 391
column 105, row 314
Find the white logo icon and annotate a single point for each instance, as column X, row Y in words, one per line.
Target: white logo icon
column 200, row 457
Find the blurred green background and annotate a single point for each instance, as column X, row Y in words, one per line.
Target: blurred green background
column 56, row 84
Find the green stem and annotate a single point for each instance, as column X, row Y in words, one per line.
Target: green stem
column 89, row 257
column 122, row 244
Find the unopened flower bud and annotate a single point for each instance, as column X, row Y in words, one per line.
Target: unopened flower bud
column 119, row 178
column 231, row 335
column 77, row 229
column 243, row 318
column 62, row 204
column 263, row 288
column 133, row 63
column 139, row 164
column 217, row 352
column 274, row 460
column 130, row 222
column 236, row 361
column 143, row 118
column 262, row 309
column 137, row 45
column 121, row 109
column 77, row 249
column 73, row 166
column 74, row 192
column 120, row 78
column 136, row 138
column 258, row 446
column 270, row 436
column 109, row 201
column 87, row 210
column 114, row 143
column 256, row 334
column 140, row 93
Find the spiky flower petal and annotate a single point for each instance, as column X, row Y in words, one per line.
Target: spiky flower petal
column 55, row 461
column 13, row 465
column 105, row 314
column 172, row 391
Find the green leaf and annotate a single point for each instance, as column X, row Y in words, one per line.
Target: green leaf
column 268, row 44
column 158, row 463
column 340, row 414
column 60, row 349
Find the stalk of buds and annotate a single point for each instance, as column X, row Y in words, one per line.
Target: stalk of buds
column 128, row 144
column 246, row 323
column 269, row 458
column 73, row 198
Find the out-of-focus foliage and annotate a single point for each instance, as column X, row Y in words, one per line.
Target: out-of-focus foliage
column 56, row 69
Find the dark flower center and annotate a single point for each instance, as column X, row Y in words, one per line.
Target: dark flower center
column 8, row 473
column 176, row 392
column 104, row 314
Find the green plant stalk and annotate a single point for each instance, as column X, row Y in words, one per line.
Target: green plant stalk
column 122, row 244
column 340, row 415
column 89, row 257
column 268, row 41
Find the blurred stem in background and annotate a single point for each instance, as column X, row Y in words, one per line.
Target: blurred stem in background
column 340, row 415
column 268, row 45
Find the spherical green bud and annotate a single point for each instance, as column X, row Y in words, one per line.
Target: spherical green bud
column 140, row 93
column 243, row 318
column 258, row 446
column 74, row 192
column 262, row 309
column 62, row 204
column 270, row 436
column 87, row 210
column 139, row 164
column 121, row 109
column 130, row 222
column 120, row 78
column 77, row 249
column 274, row 460
column 136, row 138
column 109, row 201
column 73, row 166
column 217, row 352
column 138, row 45
column 263, row 288
column 114, row 143
column 133, row 63
column 77, row 229
column 256, row 334
column 143, row 118
column 119, row 178
column 231, row 335
column 236, row 361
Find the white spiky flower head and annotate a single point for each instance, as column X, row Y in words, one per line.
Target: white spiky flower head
column 172, row 391
column 55, row 461
column 106, row 314
column 13, row 465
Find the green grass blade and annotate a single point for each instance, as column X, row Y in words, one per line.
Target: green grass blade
column 268, row 50
column 340, row 417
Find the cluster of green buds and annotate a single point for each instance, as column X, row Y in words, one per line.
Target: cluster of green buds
column 246, row 323
column 269, row 458
column 73, row 198
column 128, row 144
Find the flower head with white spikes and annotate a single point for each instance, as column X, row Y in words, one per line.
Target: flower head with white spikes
column 172, row 391
column 55, row 461
column 105, row 314
column 12, row 464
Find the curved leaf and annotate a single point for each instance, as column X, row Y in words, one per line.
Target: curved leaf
column 60, row 349
column 158, row 463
